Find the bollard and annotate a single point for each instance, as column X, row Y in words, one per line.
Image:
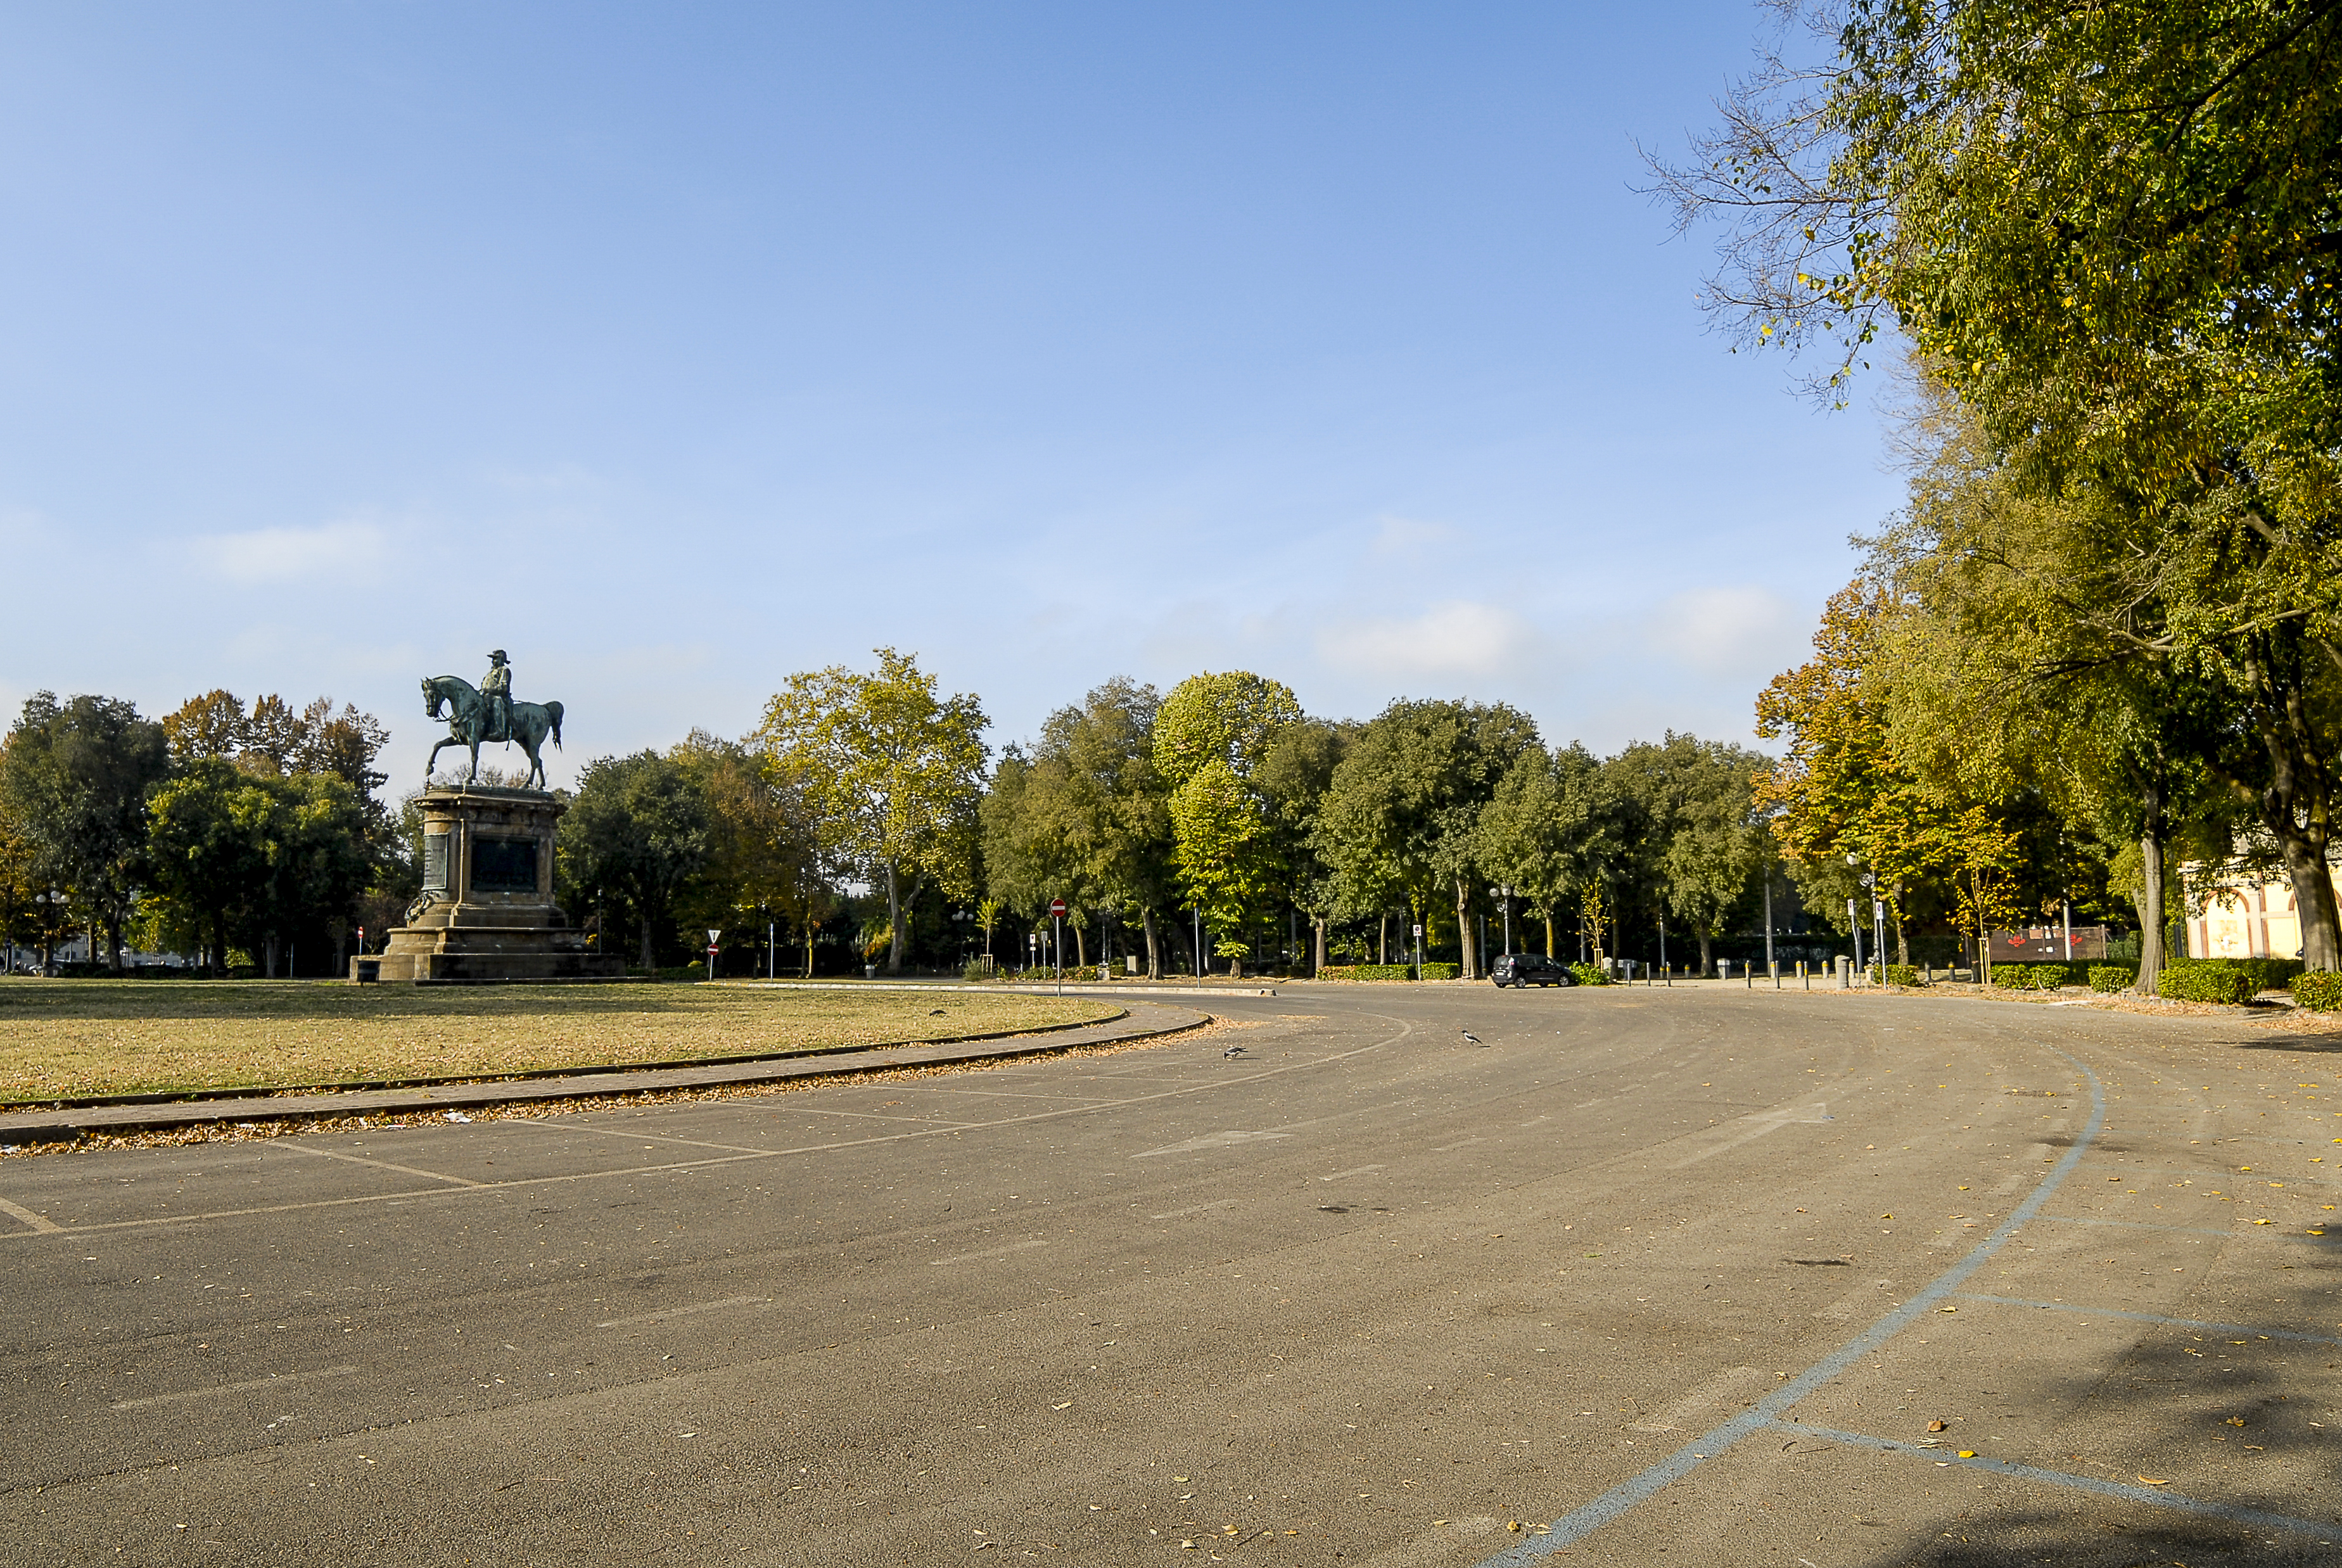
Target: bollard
column 1805, row 974
column 1749, row 975
column 1844, row 972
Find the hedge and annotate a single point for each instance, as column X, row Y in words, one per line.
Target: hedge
column 2223, row 980
column 2319, row 992
column 1898, row 974
column 2112, row 978
column 1365, row 972
column 2030, row 976
column 1588, row 974
column 1442, row 970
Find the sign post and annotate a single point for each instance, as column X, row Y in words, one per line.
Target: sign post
column 712, row 938
column 1057, row 940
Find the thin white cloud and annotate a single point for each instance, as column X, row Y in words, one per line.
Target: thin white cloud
column 1410, row 536
column 1455, row 637
column 1750, row 632
column 272, row 556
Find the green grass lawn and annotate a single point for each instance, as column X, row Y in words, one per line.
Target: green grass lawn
column 62, row 1039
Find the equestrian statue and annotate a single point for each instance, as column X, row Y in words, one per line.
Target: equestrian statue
column 489, row 713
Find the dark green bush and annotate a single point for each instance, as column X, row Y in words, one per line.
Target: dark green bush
column 1900, row 975
column 2319, row 992
column 1442, row 970
column 1588, row 974
column 2221, row 979
column 2112, row 978
column 1366, row 971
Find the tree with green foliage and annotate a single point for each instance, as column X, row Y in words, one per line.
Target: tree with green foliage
column 1402, row 809
column 73, row 778
column 1550, row 830
column 1697, row 799
column 2109, row 230
column 636, row 836
column 1211, row 734
column 892, row 773
column 762, row 857
column 1295, row 772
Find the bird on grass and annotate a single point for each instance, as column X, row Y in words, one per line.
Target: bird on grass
column 934, row 1012
column 1474, row 1038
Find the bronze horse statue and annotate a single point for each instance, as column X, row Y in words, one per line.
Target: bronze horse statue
column 472, row 724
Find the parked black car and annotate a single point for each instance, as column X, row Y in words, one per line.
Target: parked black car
column 1530, row 969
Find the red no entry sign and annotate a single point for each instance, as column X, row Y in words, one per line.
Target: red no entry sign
column 1057, row 909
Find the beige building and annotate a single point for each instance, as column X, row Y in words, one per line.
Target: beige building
column 2244, row 918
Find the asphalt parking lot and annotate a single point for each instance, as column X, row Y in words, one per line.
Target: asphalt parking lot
column 1705, row 1276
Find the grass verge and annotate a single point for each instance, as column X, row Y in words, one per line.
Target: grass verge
column 82, row 1038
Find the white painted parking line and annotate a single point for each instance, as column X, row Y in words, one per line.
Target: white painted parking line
column 41, row 1223
column 2285, row 1334
column 665, row 1313
column 1195, row 1209
column 274, row 1379
column 1747, row 1129
column 567, row 1126
column 1353, row 1170
column 931, row 1130
column 1227, row 1140
column 2156, row 1497
column 993, row 1252
column 288, row 1146
column 2132, row 1226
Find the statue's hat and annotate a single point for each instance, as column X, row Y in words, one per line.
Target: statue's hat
column 497, row 657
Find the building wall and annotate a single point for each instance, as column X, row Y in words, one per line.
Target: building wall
column 2245, row 919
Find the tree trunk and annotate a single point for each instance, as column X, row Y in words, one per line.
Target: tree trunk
column 1465, row 949
column 894, row 924
column 2296, row 808
column 1707, row 963
column 650, row 959
column 1902, row 930
column 1983, row 936
column 1382, row 943
column 1317, row 925
column 271, row 950
column 1154, row 954
column 1548, row 936
column 1081, row 950
column 114, row 943
column 2151, row 895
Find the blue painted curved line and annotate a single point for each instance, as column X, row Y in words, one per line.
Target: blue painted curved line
column 2122, row 1489
column 1591, row 1516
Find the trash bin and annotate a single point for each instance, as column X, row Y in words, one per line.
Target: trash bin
column 367, row 971
column 869, row 972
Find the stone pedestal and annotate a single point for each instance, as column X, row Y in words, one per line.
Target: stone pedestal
column 486, row 912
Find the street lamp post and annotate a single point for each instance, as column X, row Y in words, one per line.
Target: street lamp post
column 1505, row 894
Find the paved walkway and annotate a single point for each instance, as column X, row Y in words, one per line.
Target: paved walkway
column 1140, row 1022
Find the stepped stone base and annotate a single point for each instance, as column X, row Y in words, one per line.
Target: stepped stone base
column 486, row 914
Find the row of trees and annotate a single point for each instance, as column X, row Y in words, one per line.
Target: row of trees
column 219, row 828
column 1219, row 807
column 2112, row 609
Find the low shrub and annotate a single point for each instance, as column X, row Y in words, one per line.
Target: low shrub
column 2112, row 978
column 2227, row 981
column 1365, row 972
column 2030, row 976
column 1442, row 970
column 2319, row 992
column 977, row 969
column 1899, row 974
column 1588, row 974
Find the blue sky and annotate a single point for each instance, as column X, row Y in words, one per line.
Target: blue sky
column 676, row 348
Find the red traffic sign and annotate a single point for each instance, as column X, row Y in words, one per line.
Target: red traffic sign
column 1057, row 909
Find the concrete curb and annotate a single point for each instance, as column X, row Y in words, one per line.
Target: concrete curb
column 72, row 1124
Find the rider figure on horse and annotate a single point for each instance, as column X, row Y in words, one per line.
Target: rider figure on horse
column 496, row 687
